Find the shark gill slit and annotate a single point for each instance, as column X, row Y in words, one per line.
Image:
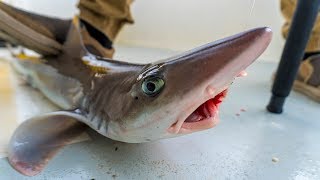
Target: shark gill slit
column 96, row 112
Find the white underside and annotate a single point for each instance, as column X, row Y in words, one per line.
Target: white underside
column 63, row 91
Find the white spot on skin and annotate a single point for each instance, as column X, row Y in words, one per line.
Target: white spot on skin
column 97, row 75
column 211, row 91
column 92, row 85
column 133, row 94
column 17, row 144
column 243, row 74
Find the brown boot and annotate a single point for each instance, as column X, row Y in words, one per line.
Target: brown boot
column 308, row 79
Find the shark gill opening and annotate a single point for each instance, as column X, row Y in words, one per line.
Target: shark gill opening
column 207, row 109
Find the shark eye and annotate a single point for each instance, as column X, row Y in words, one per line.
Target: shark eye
column 152, row 85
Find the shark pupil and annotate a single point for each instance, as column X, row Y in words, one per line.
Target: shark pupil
column 151, row 86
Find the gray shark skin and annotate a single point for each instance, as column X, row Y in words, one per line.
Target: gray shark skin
column 127, row 102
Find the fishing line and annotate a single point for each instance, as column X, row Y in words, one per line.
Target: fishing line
column 253, row 3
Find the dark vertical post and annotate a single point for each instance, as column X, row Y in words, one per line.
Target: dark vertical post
column 299, row 33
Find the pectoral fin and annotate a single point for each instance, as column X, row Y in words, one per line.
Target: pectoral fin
column 38, row 139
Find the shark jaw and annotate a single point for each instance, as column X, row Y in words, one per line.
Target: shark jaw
column 200, row 117
column 204, row 114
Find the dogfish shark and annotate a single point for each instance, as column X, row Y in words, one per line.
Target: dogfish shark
column 123, row 101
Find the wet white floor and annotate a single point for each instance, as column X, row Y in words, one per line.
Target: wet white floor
column 249, row 143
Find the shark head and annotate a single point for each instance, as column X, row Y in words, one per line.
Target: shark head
column 172, row 97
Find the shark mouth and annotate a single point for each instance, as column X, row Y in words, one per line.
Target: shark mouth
column 208, row 109
column 204, row 117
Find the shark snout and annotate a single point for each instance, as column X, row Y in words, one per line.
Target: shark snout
column 200, row 77
column 216, row 64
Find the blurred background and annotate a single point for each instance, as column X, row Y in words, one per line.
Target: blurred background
column 183, row 24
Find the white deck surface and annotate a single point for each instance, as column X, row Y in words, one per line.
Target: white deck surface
column 242, row 146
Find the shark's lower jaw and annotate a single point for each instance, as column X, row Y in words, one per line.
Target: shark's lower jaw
column 204, row 117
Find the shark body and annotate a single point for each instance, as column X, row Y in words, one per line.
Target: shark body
column 128, row 102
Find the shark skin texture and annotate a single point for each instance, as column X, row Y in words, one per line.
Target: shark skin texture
column 133, row 103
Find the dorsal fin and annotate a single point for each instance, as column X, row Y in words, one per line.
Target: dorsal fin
column 98, row 64
column 103, row 65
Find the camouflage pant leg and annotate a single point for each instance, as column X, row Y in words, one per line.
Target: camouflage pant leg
column 108, row 16
column 287, row 9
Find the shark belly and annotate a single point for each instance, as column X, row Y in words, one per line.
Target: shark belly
column 63, row 91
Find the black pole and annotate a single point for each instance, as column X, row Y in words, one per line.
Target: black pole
column 299, row 33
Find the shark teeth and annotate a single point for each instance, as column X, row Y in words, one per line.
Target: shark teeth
column 206, row 110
